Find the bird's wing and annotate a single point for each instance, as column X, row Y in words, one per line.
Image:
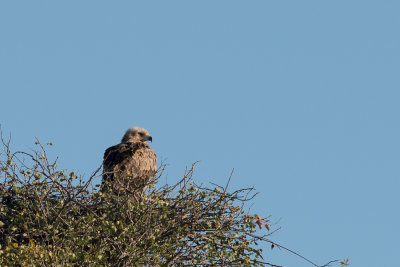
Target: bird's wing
column 129, row 159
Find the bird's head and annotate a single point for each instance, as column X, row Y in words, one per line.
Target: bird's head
column 136, row 134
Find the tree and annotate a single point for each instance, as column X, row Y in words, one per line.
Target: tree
column 54, row 217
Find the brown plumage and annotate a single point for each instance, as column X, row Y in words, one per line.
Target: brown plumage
column 131, row 165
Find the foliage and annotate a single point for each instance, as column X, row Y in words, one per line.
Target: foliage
column 53, row 217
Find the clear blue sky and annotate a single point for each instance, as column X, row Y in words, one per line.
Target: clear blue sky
column 300, row 97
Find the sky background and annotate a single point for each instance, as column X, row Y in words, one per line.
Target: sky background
column 300, row 97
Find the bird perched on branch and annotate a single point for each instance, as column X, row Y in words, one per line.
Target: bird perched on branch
column 131, row 165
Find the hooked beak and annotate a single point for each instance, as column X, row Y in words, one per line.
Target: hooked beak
column 150, row 139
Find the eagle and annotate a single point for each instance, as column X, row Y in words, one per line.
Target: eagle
column 131, row 165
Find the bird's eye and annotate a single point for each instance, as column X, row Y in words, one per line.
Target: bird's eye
column 141, row 134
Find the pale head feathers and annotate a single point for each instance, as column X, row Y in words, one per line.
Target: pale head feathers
column 136, row 134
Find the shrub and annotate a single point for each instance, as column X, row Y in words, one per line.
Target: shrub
column 54, row 217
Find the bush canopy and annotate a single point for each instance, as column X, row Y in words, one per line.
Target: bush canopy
column 52, row 217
